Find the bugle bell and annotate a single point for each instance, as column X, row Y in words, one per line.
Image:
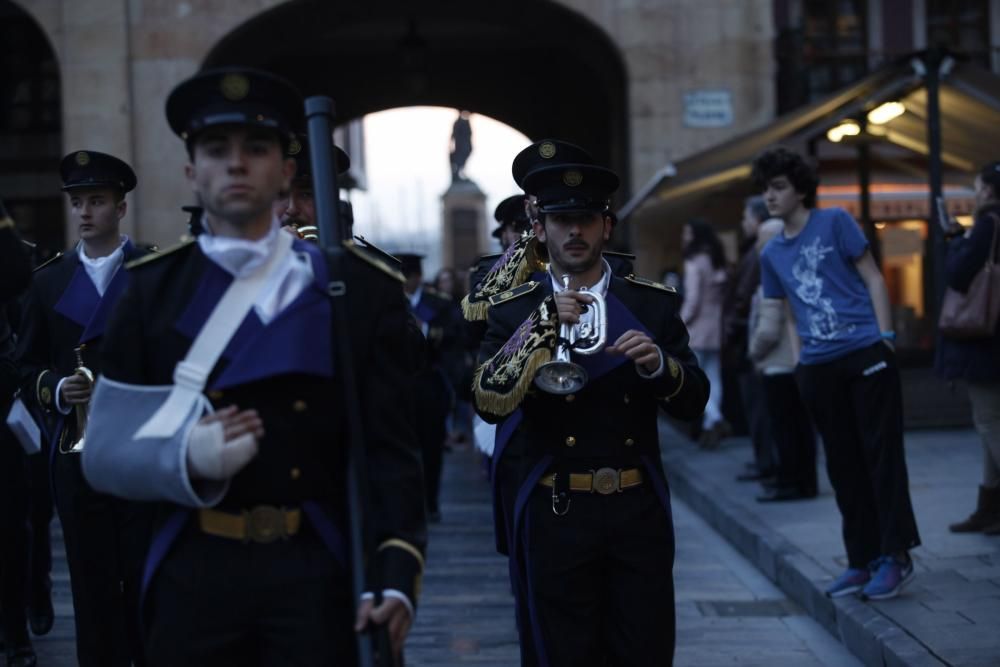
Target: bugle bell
column 561, row 376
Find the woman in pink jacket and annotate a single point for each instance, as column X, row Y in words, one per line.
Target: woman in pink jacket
column 704, row 286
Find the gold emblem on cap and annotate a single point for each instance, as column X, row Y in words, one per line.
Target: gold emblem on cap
column 294, row 147
column 235, row 87
column 547, row 150
column 572, row 178
column 83, row 158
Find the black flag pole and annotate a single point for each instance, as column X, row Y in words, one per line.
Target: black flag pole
column 319, row 116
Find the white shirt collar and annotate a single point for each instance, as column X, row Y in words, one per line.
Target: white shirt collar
column 601, row 286
column 415, row 297
column 101, row 270
column 239, row 257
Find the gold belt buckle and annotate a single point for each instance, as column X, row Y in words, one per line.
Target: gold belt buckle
column 606, row 481
column 265, row 524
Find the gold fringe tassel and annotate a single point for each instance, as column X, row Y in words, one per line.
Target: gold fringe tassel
column 502, row 405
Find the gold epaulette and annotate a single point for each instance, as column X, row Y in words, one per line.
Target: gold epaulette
column 512, row 269
column 52, row 259
column 636, row 280
column 520, row 290
column 378, row 263
column 391, row 259
column 153, row 256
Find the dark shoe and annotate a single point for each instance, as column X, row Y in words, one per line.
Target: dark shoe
column 783, row 493
column 41, row 616
column 992, row 530
column 891, row 574
column 851, row 581
column 987, row 513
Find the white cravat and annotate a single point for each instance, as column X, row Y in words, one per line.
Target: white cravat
column 241, row 257
column 102, row 269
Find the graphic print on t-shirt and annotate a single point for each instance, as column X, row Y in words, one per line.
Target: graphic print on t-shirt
column 823, row 321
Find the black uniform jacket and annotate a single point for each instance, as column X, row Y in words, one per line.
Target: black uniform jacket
column 15, row 262
column 612, row 421
column 61, row 311
column 303, row 454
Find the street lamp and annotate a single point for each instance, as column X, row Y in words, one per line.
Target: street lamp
column 883, row 113
column 847, row 128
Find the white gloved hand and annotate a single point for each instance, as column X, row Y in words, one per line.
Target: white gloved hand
column 210, row 456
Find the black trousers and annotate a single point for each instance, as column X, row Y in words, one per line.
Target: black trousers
column 432, row 402
column 856, row 403
column 216, row 602
column 41, row 513
column 760, row 426
column 105, row 545
column 793, row 433
column 601, row 579
column 14, row 511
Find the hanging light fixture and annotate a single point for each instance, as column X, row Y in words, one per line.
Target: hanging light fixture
column 847, row 128
column 883, row 113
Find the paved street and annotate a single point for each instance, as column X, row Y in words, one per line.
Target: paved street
column 728, row 613
column 946, row 616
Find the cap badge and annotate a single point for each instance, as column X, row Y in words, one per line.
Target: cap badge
column 572, row 178
column 547, row 150
column 83, row 158
column 294, row 147
column 235, row 87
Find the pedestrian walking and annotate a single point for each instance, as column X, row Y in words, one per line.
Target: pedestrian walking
column 847, row 371
column 977, row 360
column 774, row 348
column 740, row 293
column 704, row 286
column 248, row 461
column 582, row 506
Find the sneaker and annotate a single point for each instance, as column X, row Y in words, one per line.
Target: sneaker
column 851, row 581
column 891, row 575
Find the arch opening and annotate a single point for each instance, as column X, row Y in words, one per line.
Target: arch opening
column 535, row 66
column 30, row 129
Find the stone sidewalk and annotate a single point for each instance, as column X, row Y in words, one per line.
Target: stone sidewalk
column 950, row 612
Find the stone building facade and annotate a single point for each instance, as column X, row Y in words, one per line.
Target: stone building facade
column 611, row 74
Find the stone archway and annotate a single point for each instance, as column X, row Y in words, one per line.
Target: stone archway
column 538, row 67
column 30, row 128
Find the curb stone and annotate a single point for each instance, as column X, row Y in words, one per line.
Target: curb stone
column 873, row 638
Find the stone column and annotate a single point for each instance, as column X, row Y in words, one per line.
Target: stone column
column 463, row 235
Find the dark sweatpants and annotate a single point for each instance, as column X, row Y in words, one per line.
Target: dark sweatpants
column 793, row 432
column 856, row 403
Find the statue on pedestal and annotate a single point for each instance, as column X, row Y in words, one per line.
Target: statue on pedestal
column 461, row 146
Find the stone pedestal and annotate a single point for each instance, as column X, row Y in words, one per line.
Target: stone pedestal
column 463, row 232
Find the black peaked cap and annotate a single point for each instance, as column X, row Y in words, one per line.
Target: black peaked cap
column 90, row 169
column 298, row 150
column 567, row 188
column 234, row 96
column 543, row 153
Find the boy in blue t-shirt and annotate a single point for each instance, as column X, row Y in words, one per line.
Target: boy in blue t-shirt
column 847, row 370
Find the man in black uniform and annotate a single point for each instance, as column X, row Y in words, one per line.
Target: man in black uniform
column 248, row 565
column 65, row 314
column 582, row 504
column 440, row 321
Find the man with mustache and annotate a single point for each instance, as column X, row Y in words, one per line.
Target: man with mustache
column 66, row 311
column 581, row 500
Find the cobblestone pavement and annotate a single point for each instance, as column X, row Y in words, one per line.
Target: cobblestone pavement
column 947, row 616
column 728, row 613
